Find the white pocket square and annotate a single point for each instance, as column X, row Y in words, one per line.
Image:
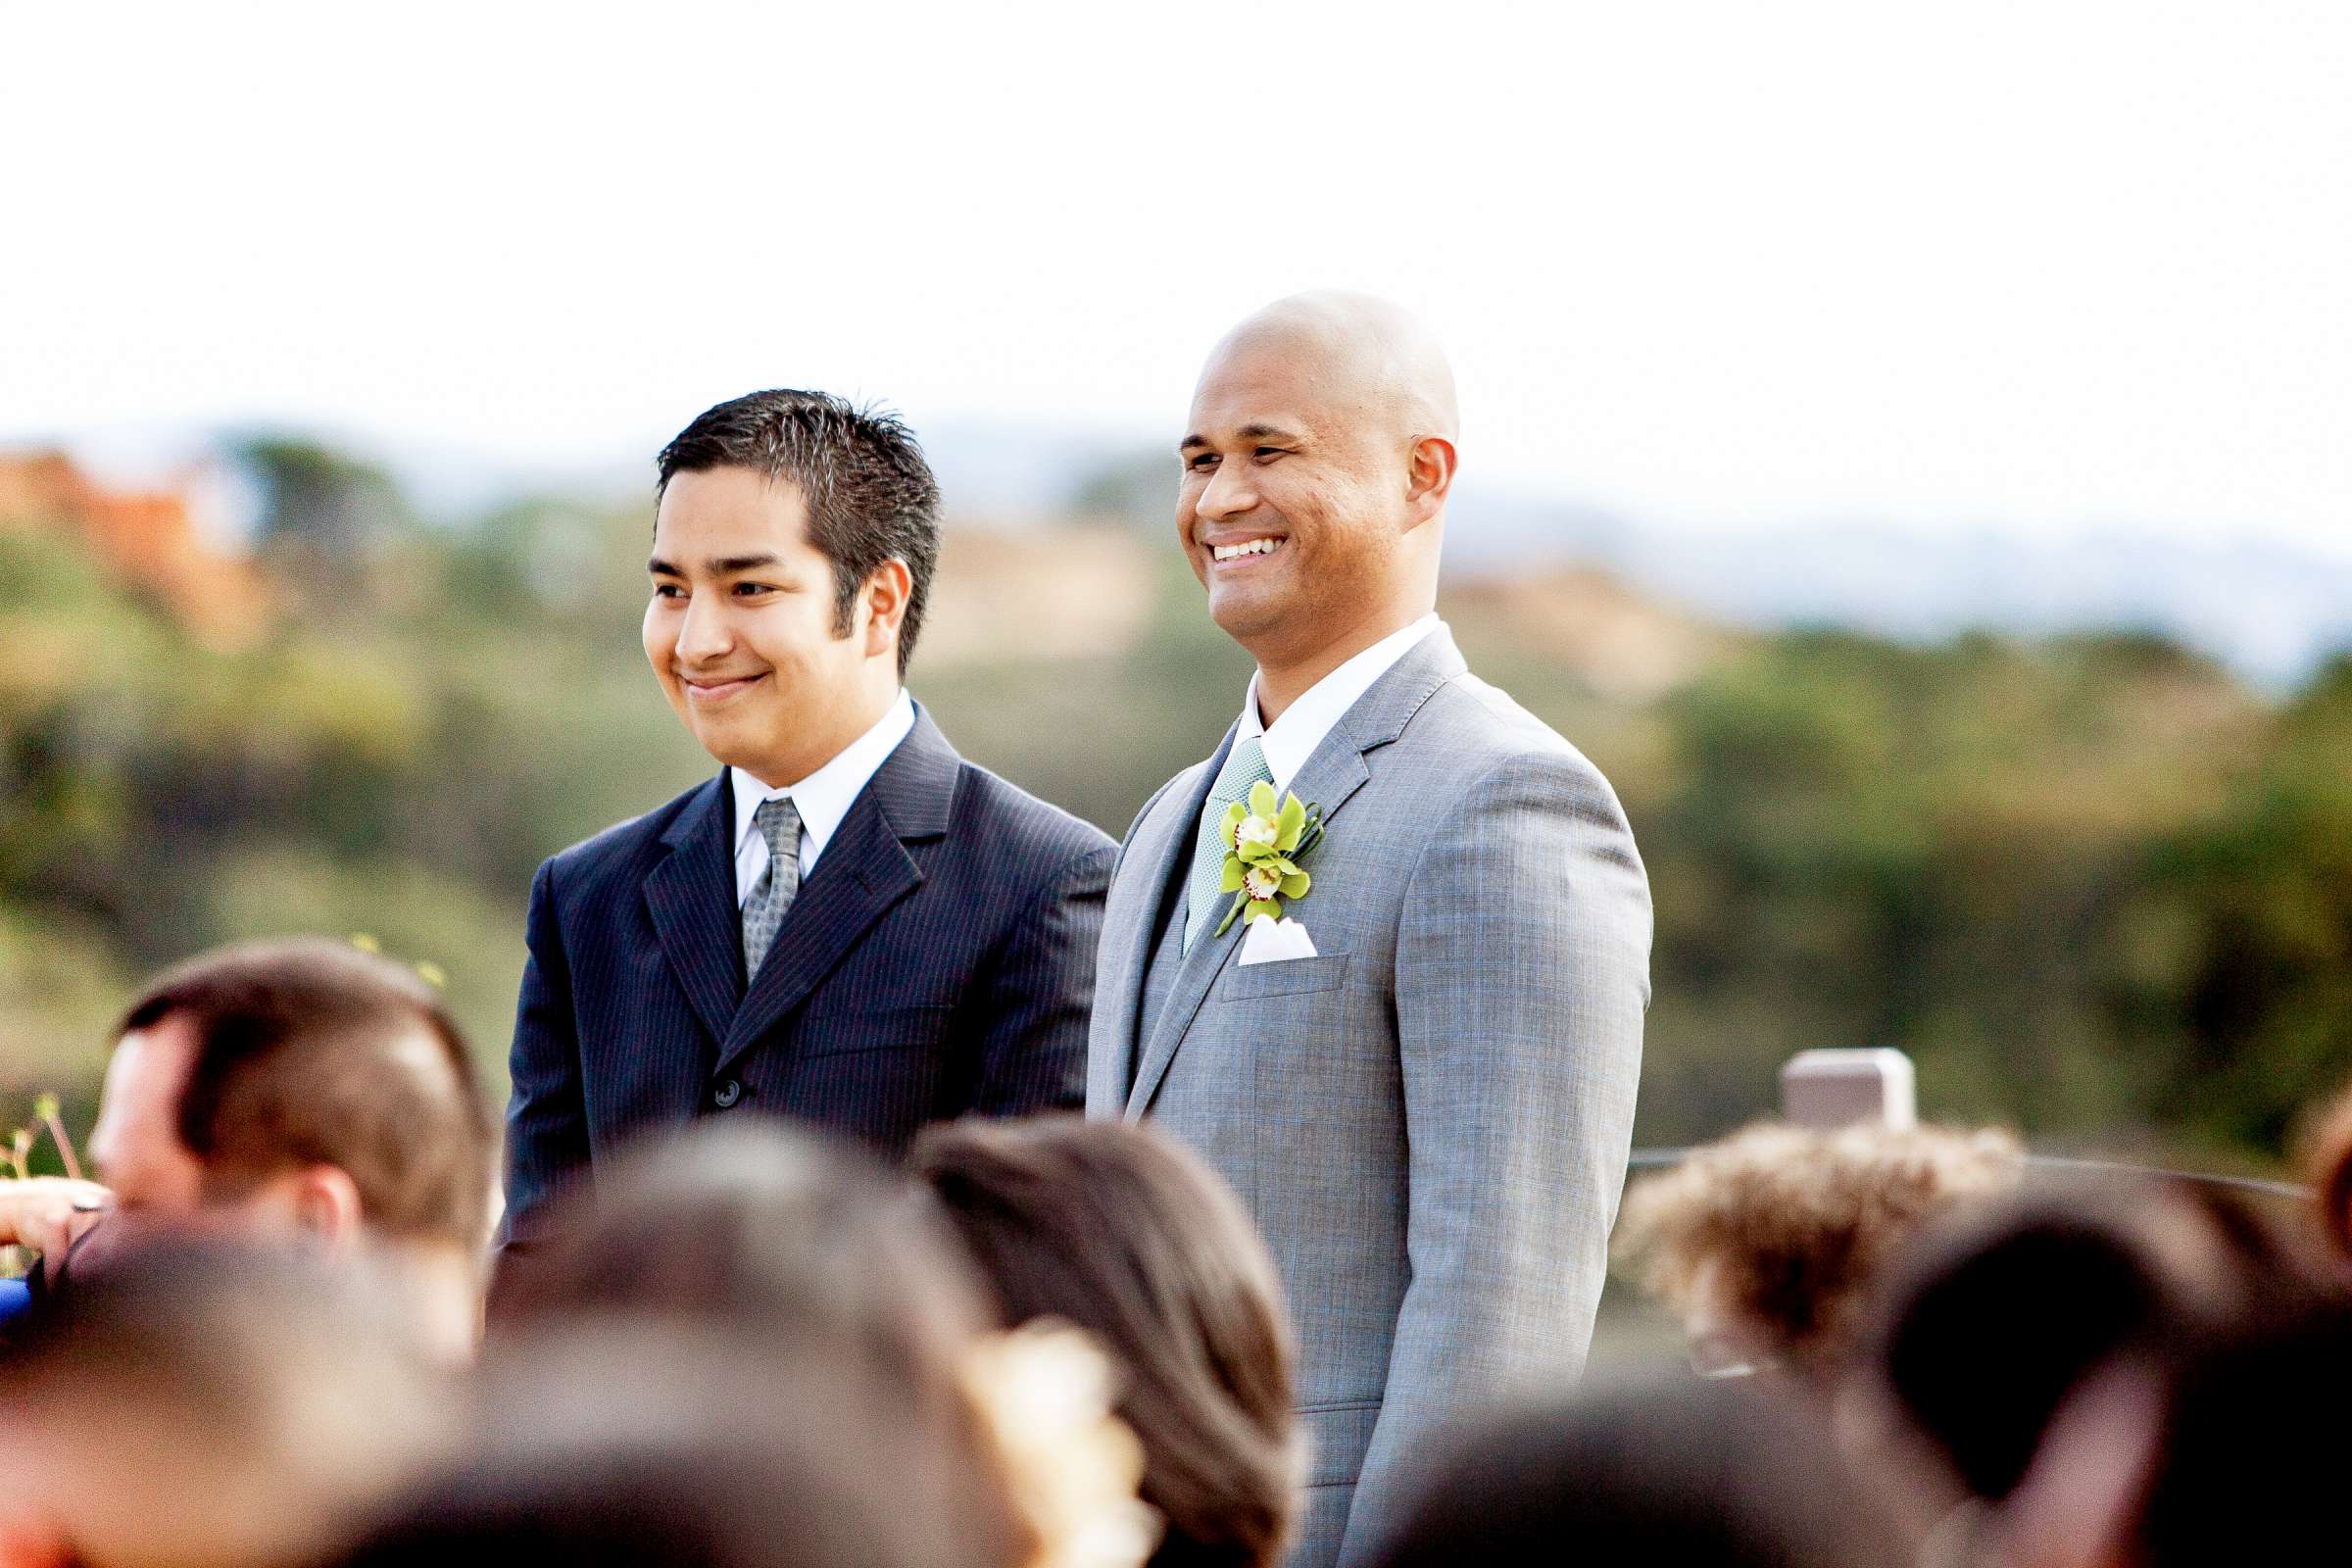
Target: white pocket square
column 1268, row 941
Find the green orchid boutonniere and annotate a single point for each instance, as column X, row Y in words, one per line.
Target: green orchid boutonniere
column 1263, row 846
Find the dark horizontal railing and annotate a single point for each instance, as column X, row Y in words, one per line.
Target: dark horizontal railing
column 2295, row 1191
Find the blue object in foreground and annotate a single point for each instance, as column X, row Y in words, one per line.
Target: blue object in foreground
column 15, row 1296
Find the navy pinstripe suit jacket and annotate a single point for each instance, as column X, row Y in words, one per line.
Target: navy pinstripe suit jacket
column 939, row 960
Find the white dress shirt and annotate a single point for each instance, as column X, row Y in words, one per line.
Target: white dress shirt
column 1293, row 737
column 822, row 799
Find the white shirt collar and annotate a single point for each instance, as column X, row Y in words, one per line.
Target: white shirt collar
column 824, row 796
column 1293, row 737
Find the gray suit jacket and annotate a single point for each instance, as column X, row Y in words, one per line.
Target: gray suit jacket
column 1430, row 1119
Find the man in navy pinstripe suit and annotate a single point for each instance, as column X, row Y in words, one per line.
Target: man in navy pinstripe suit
column 851, row 924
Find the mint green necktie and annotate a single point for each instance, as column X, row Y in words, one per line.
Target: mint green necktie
column 1245, row 765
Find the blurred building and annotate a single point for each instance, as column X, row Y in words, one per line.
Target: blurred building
column 147, row 539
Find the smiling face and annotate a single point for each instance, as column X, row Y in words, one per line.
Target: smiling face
column 742, row 633
column 1311, row 492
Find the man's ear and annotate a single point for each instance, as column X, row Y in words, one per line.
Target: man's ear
column 1428, row 476
column 326, row 1204
column 887, row 592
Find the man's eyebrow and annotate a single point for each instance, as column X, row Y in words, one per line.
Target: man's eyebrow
column 717, row 567
column 1248, row 432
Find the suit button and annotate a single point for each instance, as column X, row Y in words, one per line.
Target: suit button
column 727, row 1094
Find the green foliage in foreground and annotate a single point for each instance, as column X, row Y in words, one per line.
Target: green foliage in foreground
column 2093, row 886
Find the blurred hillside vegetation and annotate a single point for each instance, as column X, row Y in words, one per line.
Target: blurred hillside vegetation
column 2096, row 886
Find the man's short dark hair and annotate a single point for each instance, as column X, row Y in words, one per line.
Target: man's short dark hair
column 310, row 1052
column 861, row 472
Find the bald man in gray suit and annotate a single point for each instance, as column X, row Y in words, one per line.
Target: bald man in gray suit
column 1421, row 1080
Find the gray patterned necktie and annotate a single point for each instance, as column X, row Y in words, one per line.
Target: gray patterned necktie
column 780, row 825
column 1245, row 765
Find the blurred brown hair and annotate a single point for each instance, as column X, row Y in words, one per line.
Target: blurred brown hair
column 310, row 1052
column 187, row 1402
column 751, row 1221
column 791, row 1243
column 1128, row 1236
column 695, row 1446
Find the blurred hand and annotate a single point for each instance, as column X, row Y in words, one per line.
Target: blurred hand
column 49, row 1214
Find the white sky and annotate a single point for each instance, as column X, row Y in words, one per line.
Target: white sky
column 2039, row 265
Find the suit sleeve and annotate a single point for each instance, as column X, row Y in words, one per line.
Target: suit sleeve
column 1522, row 979
column 546, row 1125
column 1040, row 995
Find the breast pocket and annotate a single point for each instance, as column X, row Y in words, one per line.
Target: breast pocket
column 1248, row 982
column 841, row 1034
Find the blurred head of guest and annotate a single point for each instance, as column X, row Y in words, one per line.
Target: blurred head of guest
column 188, row 1404
column 2207, row 1454
column 1988, row 1336
column 1128, row 1236
column 771, row 1232
column 746, row 1222
column 699, row 1446
column 306, row 1089
column 1687, row 1473
column 1771, row 1244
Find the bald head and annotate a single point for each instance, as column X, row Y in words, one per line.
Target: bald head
column 1319, row 454
column 1366, row 356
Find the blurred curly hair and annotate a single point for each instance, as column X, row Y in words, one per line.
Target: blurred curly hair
column 1800, row 1222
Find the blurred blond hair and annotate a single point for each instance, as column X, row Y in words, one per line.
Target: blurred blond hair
column 1792, row 1227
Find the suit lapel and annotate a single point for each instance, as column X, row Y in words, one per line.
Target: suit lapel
column 864, row 871
column 1331, row 774
column 1161, row 841
column 691, row 896
column 1334, row 771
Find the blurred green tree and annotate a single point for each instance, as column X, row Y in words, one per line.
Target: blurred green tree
column 2093, row 884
